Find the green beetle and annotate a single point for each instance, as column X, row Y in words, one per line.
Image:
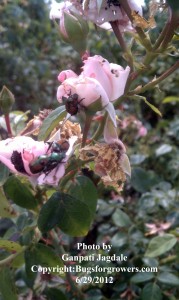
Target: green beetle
column 47, row 162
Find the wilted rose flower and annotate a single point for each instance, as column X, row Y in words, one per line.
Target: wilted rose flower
column 33, row 126
column 19, row 152
column 108, row 11
column 110, row 163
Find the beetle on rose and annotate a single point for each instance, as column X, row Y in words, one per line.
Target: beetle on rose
column 72, row 103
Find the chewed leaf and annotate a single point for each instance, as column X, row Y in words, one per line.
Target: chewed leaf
column 10, row 246
column 6, row 210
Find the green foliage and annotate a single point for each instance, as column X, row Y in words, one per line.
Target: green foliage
column 55, row 294
column 6, row 210
column 28, row 39
column 72, row 214
column 4, row 173
column 7, row 285
column 19, row 193
column 151, row 292
column 43, row 256
column 160, row 244
column 39, row 224
column 10, row 246
column 53, row 119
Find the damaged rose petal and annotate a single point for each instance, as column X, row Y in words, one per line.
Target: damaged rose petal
column 110, row 163
column 42, row 163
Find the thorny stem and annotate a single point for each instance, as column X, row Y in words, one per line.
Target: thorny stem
column 8, row 125
column 74, row 288
column 161, row 36
column 173, row 24
column 160, row 45
column 122, row 43
column 86, row 129
column 143, row 37
column 119, row 101
column 156, row 81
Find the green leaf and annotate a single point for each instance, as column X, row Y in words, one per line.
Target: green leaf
column 137, row 159
column 151, row 292
column 160, row 244
column 170, row 99
column 7, row 285
column 19, row 193
column 84, row 190
column 142, row 277
column 163, row 149
column 51, row 122
column 44, row 256
column 119, row 240
column 55, row 294
column 143, row 180
column 154, row 108
column 168, row 278
column 6, row 211
column 72, row 214
column 4, row 173
column 121, row 219
column 18, row 261
column 10, row 246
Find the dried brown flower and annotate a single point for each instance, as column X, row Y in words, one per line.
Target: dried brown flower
column 108, row 163
column 33, row 126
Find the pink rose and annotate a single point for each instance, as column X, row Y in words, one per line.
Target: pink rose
column 112, row 77
column 89, row 90
column 142, row 131
column 17, row 153
column 99, row 84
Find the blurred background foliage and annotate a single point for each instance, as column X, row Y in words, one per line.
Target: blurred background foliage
column 31, row 56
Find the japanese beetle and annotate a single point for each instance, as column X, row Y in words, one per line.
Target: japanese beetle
column 46, row 163
column 58, row 148
column 71, row 104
